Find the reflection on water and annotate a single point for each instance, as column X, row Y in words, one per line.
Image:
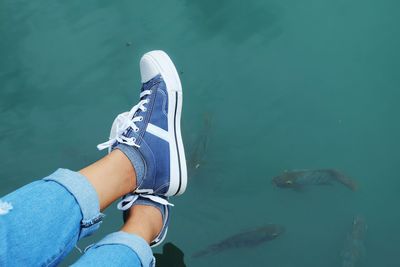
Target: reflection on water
column 235, row 20
column 197, row 151
column 287, row 84
column 354, row 248
column 171, row 256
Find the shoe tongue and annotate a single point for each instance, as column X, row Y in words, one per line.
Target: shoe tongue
column 137, row 113
column 146, row 86
column 143, row 88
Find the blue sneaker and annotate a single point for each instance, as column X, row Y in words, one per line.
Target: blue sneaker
column 150, row 133
column 148, row 200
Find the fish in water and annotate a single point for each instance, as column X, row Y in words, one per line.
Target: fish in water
column 249, row 238
column 354, row 248
column 299, row 178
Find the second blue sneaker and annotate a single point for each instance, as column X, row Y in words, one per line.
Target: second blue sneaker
column 150, row 133
column 160, row 203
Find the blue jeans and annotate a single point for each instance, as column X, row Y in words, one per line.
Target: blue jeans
column 49, row 216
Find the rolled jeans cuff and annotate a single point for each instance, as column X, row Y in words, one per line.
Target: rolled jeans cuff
column 134, row 242
column 84, row 194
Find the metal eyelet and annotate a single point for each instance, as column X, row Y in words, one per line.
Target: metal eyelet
column 140, row 118
column 144, row 109
column 136, row 130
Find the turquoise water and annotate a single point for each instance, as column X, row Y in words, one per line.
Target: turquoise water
column 268, row 86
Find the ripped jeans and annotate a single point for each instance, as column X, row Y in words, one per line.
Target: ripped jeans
column 41, row 223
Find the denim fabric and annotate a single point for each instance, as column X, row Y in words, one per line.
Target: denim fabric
column 118, row 249
column 84, row 194
column 42, row 227
column 112, row 255
column 47, row 219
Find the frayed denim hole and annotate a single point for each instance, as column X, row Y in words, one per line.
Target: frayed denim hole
column 5, row 207
column 91, row 222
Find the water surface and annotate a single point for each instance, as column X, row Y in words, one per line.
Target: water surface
column 286, row 85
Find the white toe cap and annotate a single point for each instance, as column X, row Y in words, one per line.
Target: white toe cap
column 148, row 67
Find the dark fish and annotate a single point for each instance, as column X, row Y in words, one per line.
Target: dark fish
column 354, row 248
column 250, row 238
column 300, row 178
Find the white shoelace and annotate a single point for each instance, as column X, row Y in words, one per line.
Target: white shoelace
column 126, row 120
column 128, row 200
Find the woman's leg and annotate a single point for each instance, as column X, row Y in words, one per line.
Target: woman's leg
column 130, row 246
column 49, row 216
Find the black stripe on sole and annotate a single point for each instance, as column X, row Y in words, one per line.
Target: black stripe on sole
column 176, row 143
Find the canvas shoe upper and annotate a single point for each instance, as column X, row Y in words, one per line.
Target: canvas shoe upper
column 160, row 203
column 151, row 132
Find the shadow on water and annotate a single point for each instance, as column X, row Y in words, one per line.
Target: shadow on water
column 235, row 20
column 171, row 256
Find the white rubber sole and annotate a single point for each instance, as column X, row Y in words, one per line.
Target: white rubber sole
column 178, row 169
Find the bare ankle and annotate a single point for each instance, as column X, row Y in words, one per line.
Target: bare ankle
column 144, row 221
column 112, row 177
